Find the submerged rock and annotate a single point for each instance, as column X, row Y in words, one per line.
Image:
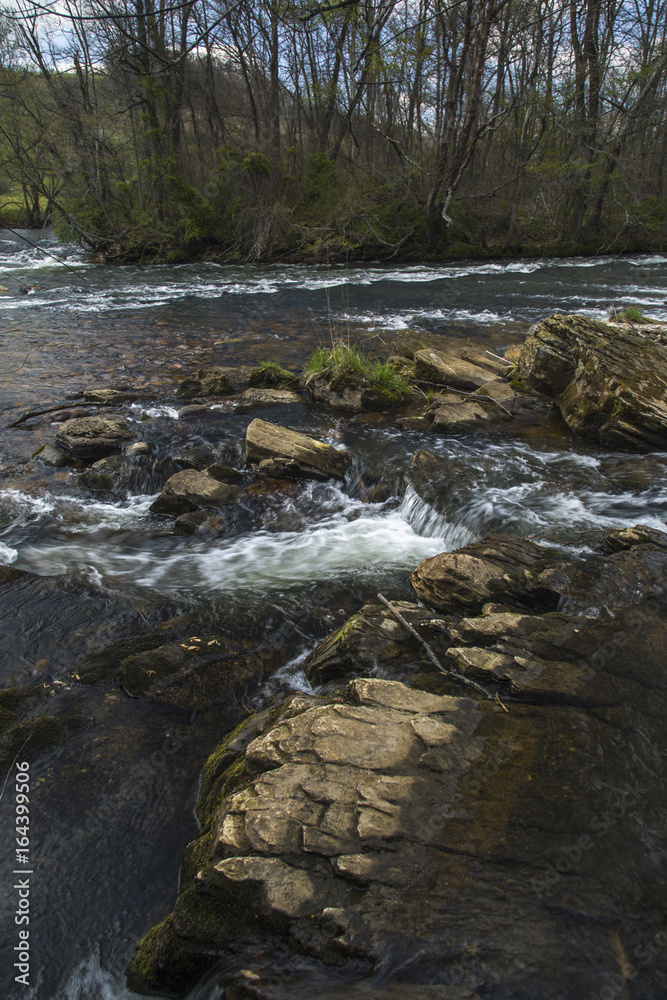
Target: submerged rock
column 189, row 490
column 283, row 452
column 93, row 437
column 610, row 384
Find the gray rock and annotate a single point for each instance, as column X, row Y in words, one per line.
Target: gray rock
column 283, row 452
column 138, row 448
column 451, row 413
column 92, row 437
column 53, row 456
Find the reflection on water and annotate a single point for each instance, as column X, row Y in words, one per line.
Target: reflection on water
column 303, row 559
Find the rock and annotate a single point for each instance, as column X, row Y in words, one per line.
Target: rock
column 610, row 384
column 455, row 414
column 282, row 452
column 103, row 664
column 189, row 490
column 402, row 365
column 353, row 393
column 108, row 396
column 524, row 575
column 253, row 398
column 501, row 390
column 224, row 473
column 138, row 448
column 195, row 411
column 194, row 520
column 434, row 837
column 53, row 456
column 374, row 639
column 4, row 290
column 32, row 737
column 447, row 368
column 272, row 376
column 216, row 381
column 196, row 672
column 196, row 458
column 102, row 475
column 92, row 437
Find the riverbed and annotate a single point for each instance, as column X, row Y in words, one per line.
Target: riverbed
column 104, row 567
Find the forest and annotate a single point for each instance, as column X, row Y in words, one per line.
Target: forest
column 158, row 130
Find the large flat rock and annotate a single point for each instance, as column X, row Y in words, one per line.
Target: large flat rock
column 610, row 383
column 280, row 451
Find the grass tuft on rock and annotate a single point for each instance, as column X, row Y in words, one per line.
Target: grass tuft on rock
column 271, row 375
column 346, row 365
column 631, row 314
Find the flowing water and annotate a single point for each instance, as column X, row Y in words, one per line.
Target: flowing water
column 113, row 805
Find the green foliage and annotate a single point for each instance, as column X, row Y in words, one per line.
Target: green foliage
column 632, row 314
column 343, row 365
column 257, row 165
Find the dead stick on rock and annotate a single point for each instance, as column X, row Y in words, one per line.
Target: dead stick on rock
column 434, row 659
column 29, row 414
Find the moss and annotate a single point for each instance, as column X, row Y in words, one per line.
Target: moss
column 33, row 736
column 518, row 385
column 271, row 375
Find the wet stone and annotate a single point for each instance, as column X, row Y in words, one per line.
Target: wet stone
column 93, row 437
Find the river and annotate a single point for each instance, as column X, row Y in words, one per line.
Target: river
column 113, row 805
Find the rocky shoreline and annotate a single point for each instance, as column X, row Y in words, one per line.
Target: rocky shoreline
column 401, row 832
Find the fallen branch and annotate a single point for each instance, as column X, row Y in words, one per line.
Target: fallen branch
column 54, row 409
column 434, row 659
column 476, row 396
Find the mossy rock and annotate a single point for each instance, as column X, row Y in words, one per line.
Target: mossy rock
column 104, row 664
column 272, row 376
column 17, row 702
column 33, row 736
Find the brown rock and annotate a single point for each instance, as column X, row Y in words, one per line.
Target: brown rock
column 280, row 451
column 189, row 490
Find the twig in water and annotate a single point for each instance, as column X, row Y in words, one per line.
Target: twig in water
column 54, row 409
column 434, row 659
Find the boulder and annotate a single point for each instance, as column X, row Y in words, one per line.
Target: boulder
column 430, row 836
column 610, row 383
column 103, row 475
column 52, row 456
column 455, row 413
column 283, row 452
column 92, row 437
column 448, row 368
column 196, row 411
column 630, row 567
column 375, row 639
column 353, row 393
column 189, row 490
column 216, row 381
